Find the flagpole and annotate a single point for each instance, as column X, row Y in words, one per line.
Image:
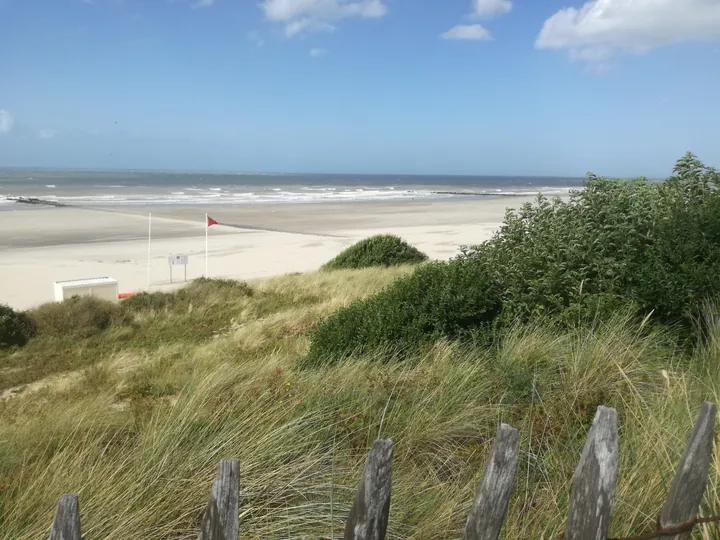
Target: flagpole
column 206, row 246
column 149, row 252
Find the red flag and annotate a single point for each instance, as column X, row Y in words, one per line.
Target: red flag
column 211, row 222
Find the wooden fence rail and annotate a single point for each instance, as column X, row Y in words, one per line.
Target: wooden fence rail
column 591, row 500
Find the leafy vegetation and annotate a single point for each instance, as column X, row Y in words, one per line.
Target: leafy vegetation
column 379, row 250
column 15, row 328
column 616, row 245
column 436, row 300
column 655, row 245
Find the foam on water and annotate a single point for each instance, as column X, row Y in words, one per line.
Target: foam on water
column 115, row 188
column 304, row 194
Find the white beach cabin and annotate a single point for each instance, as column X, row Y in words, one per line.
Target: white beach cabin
column 101, row 287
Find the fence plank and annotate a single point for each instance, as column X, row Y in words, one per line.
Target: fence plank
column 221, row 521
column 593, row 492
column 368, row 517
column 686, row 491
column 493, row 494
column 66, row 525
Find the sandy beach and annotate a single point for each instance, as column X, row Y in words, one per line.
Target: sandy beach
column 40, row 245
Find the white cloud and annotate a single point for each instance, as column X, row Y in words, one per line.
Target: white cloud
column 487, row 9
column 482, row 9
column 601, row 28
column 256, row 38
column 317, row 53
column 203, row 3
column 599, row 69
column 294, row 28
column 6, row 121
column 300, row 16
column 467, row 32
column 47, row 133
column 591, row 54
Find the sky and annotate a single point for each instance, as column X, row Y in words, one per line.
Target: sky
column 511, row 87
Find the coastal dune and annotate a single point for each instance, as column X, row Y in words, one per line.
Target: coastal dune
column 40, row 245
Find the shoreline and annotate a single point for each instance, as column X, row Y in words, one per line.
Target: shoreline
column 10, row 201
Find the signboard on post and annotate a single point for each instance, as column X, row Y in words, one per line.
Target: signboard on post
column 175, row 260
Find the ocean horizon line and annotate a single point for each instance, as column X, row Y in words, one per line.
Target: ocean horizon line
column 221, row 172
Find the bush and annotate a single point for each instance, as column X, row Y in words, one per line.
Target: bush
column 78, row 317
column 379, row 250
column 439, row 299
column 15, row 328
column 654, row 247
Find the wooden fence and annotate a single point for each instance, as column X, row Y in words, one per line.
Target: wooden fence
column 591, row 499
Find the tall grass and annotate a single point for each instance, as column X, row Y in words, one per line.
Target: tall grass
column 139, row 432
column 85, row 331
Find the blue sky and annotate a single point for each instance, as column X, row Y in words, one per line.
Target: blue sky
column 536, row 87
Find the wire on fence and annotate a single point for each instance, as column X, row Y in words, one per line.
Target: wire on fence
column 671, row 531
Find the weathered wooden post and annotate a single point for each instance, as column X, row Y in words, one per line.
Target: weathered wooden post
column 593, row 492
column 66, row 525
column 493, row 494
column 369, row 514
column 221, row 519
column 686, row 491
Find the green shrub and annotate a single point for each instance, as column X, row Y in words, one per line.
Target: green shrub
column 15, row 328
column 379, row 250
column 77, row 317
column 438, row 299
column 652, row 247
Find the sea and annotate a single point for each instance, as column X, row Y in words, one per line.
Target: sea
column 134, row 188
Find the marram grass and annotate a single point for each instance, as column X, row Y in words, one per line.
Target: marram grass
column 138, row 431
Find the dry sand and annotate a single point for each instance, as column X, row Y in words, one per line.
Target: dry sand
column 40, row 245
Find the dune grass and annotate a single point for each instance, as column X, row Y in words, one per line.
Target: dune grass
column 138, row 424
column 85, row 331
